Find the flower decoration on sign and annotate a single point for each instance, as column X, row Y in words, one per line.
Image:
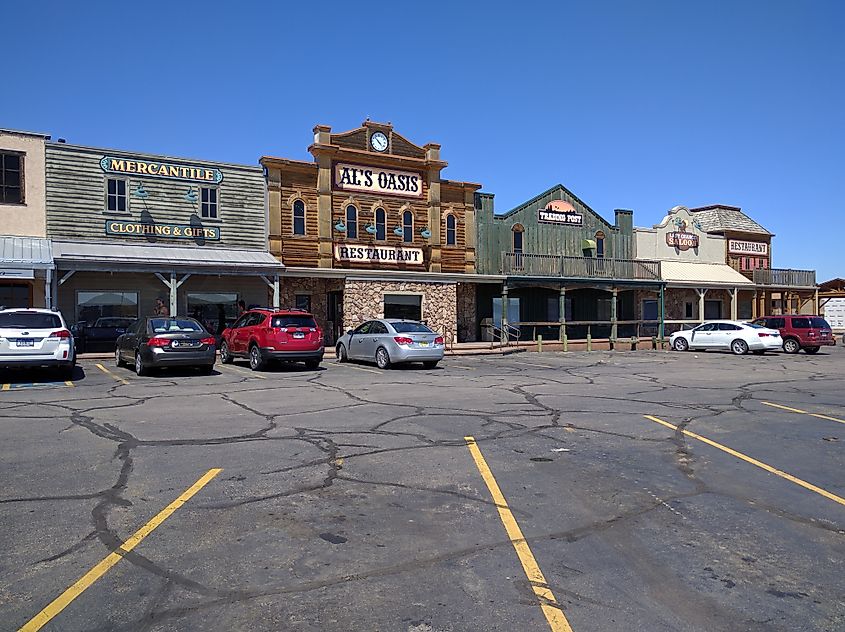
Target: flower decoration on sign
column 370, row 229
column 141, row 192
column 191, row 195
column 340, row 226
column 425, row 232
column 398, row 231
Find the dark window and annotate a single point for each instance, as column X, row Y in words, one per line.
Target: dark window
column 299, row 217
column 728, row 327
column 451, row 237
column 381, row 225
column 378, row 328
column 776, row 323
column 800, row 323
column 116, row 195
column 294, row 321
column 404, row 306
column 411, row 328
column 174, row 325
column 240, row 322
column 11, row 179
column 706, row 327
column 517, row 239
column 650, row 309
column 688, row 310
column 208, row 208
column 30, row 320
column 599, row 245
column 819, row 323
column 351, row 222
column 365, row 328
column 303, row 301
column 408, row 227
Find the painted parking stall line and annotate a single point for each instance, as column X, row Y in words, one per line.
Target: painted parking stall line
column 242, row 371
column 764, row 466
column 22, row 386
column 548, row 603
column 112, row 375
column 804, row 412
column 83, row 583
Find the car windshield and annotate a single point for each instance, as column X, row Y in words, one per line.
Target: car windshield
column 294, row 321
column 819, row 323
column 30, row 320
column 411, row 328
column 174, row 325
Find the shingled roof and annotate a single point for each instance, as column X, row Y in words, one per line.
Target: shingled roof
column 719, row 219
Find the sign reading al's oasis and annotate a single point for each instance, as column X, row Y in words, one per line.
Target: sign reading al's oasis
column 377, row 180
column 378, row 254
column 109, row 164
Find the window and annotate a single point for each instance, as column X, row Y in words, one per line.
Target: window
column 800, row 323
column 518, row 232
column 15, row 295
column 30, row 320
column 299, row 217
column 689, row 310
column 405, row 306
column 728, row 327
column 410, row 328
column 208, row 206
column 408, row 227
column 93, row 305
column 11, row 178
column 365, row 328
column 712, row 310
column 294, row 321
column 381, row 225
column 215, row 310
column 706, row 327
column 599, row 245
column 451, row 232
column 351, row 222
column 378, row 328
column 164, row 325
column 303, row 301
column 116, row 195
column 649, row 309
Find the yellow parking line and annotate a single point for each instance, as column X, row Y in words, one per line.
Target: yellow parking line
column 63, row 600
column 748, row 459
column 554, row 613
column 69, row 383
column 110, row 374
column 353, row 366
column 249, row 373
column 6, row 387
column 804, row 412
column 542, row 366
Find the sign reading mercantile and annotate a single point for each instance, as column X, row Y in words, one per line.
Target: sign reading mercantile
column 560, row 212
column 167, row 231
column 154, row 169
column 378, row 254
column 377, row 180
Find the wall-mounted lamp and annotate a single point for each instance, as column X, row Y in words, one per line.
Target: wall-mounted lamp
column 141, row 192
column 340, row 226
column 425, row 232
column 370, row 229
column 191, row 195
column 398, row 231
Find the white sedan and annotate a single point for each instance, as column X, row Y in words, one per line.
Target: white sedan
column 738, row 336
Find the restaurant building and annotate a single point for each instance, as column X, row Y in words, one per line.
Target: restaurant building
column 368, row 228
column 129, row 228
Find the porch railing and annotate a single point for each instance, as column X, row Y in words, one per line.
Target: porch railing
column 560, row 266
column 785, row 278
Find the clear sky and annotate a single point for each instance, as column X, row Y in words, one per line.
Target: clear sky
column 641, row 105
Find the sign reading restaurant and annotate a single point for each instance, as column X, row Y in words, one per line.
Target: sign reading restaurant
column 156, row 169
column 560, row 212
column 167, row 231
column 378, row 254
column 376, row 180
column 737, row 247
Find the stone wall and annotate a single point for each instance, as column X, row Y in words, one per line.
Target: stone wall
column 467, row 312
column 364, row 300
column 318, row 289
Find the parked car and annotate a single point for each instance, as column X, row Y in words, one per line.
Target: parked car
column 800, row 332
column 101, row 335
column 33, row 338
column 154, row 342
column 391, row 341
column 735, row 335
column 264, row 335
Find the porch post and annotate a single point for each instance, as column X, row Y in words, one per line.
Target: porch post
column 701, row 293
column 661, row 305
column 613, row 318
column 734, row 312
column 754, row 306
column 562, row 313
column 816, row 301
column 504, row 312
column 174, row 304
column 48, row 289
column 276, row 291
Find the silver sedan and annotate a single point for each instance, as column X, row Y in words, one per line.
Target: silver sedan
column 391, row 341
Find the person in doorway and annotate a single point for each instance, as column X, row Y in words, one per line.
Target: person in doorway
column 241, row 307
column 161, row 309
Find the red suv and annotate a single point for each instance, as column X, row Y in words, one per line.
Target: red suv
column 266, row 334
column 800, row 332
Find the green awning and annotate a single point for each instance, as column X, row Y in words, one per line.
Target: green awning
column 588, row 244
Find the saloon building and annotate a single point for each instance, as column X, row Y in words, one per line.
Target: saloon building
column 129, row 228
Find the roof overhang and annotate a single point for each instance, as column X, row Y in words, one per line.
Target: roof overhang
column 25, row 253
column 420, row 276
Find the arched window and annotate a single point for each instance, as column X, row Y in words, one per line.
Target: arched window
column 599, row 245
column 299, row 217
column 351, row 222
column 518, row 233
column 381, row 225
column 451, row 233
column 408, row 227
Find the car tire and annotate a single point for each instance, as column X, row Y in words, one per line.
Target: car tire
column 739, row 347
column 811, row 350
column 790, row 345
column 117, row 361
column 225, row 356
column 341, row 354
column 256, row 362
column 432, row 364
column 207, row 369
column 312, row 364
column 680, row 344
column 140, row 368
column 382, row 358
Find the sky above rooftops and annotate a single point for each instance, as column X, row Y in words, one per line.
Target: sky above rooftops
column 629, row 105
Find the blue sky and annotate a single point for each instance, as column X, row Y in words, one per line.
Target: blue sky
column 640, row 105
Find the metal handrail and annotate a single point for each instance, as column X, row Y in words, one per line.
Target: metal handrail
column 505, row 334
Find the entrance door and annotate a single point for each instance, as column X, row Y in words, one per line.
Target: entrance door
column 334, row 317
column 406, row 306
column 712, row 310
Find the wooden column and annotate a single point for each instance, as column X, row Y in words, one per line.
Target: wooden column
column 613, row 318
column 562, row 313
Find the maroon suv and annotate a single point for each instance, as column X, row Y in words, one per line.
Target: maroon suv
column 266, row 334
column 809, row 333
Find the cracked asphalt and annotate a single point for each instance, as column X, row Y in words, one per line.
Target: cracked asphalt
column 348, row 498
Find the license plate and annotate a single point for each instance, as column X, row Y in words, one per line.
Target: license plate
column 423, row 344
column 25, row 343
column 298, row 334
column 183, row 343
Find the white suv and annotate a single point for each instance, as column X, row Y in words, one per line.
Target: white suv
column 31, row 338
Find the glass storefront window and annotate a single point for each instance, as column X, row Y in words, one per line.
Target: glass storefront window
column 215, row 310
column 91, row 305
column 407, row 306
column 14, row 295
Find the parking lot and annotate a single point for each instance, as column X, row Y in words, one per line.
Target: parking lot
column 586, row 491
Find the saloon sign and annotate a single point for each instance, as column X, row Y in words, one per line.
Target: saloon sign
column 682, row 239
column 378, row 254
column 560, row 212
column 737, row 247
column 156, row 169
column 166, row 231
column 349, row 177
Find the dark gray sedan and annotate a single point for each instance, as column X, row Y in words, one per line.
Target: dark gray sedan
column 391, row 341
column 164, row 341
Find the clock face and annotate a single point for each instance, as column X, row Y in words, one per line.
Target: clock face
column 378, row 141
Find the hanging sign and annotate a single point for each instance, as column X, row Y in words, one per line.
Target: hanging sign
column 682, row 240
column 377, row 180
column 166, row 231
column 378, row 254
column 737, row 247
column 123, row 166
column 560, row 212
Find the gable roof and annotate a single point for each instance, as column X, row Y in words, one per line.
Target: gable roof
column 719, row 218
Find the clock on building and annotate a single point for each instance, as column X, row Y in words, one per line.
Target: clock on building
column 378, row 141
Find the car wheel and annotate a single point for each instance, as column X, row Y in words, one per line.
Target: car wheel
column 681, row 344
column 256, row 362
column 117, row 361
column 341, row 354
column 140, row 367
column 739, row 347
column 811, row 350
column 382, row 358
column 790, row 345
column 432, row 364
column 312, row 364
column 225, row 356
